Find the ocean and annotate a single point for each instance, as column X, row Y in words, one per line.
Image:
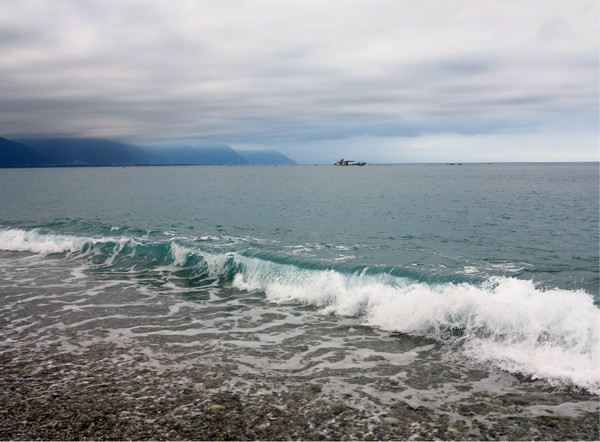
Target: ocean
column 412, row 301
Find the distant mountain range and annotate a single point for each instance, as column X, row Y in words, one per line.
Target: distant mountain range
column 73, row 152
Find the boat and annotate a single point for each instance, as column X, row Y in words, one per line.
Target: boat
column 344, row 162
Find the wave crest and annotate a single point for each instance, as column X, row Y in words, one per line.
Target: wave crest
column 18, row 240
column 547, row 334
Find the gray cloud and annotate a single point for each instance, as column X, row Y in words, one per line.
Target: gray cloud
column 277, row 73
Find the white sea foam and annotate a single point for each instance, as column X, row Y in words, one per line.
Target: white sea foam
column 551, row 334
column 548, row 334
column 35, row 241
column 18, row 240
column 179, row 254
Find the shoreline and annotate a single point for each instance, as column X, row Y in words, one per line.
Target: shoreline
column 68, row 397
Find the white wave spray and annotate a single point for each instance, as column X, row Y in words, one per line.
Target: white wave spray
column 543, row 334
column 18, row 240
column 36, row 241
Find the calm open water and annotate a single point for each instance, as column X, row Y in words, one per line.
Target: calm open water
column 471, row 291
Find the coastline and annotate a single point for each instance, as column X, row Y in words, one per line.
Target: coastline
column 67, row 397
column 163, row 303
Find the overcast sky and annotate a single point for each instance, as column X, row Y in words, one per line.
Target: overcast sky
column 375, row 80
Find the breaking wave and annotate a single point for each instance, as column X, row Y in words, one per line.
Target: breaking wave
column 544, row 334
column 549, row 334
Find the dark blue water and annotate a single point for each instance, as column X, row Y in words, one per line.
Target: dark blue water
column 497, row 263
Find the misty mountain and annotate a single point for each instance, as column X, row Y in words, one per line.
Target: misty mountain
column 196, row 155
column 50, row 152
column 13, row 154
column 265, row 157
column 86, row 152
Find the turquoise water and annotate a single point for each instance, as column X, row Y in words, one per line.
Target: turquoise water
column 494, row 265
column 537, row 222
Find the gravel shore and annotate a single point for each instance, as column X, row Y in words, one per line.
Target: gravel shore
column 60, row 397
